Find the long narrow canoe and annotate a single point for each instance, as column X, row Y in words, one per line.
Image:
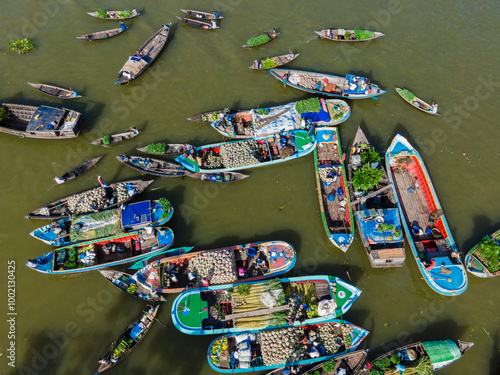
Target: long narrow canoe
column 197, row 24
column 128, row 340
column 428, row 356
column 247, row 262
column 105, row 252
column 485, row 265
column 115, row 14
column 352, row 363
column 223, row 309
column 332, row 191
column 425, row 224
column 133, row 216
column 165, row 148
column 273, row 62
column 375, row 209
column 270, row 36
column 272, row 348
column 201, row 15
column 418, row 103
column 77, row 171
column 85, row 202
column 348, row 86
column 105, row 34
column 152, row 166
column 150, row 50
column 251, row 153
column 346, row 35
column 218, row 177
column 56, row 91
column 267, row 121
column 117, row 138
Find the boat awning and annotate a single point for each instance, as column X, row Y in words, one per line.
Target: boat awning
column 275, row 120
column 357, row 85
column 441, row 350
column 369, row 225
column 43, row 117
column 136, row 214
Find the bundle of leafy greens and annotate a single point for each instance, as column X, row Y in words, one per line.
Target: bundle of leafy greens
column 489, row 251
column 156, row 148
column 268, row 63
column 125, row 14
column 364, row 34
column 101, row 13
column 258, row 40
column 408, row 95
column 308, row 105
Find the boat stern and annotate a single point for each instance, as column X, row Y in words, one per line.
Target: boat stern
column 474, row 266
column 342, row 241
column 43, row 263
column 189, row 311
column 344, row 295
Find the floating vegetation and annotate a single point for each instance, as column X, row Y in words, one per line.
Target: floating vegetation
column 22, row 46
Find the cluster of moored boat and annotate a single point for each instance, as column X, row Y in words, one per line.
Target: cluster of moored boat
column 288, row 325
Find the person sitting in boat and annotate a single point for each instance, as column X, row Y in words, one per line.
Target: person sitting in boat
column 434, row 108
column 122, row 25
column 291, row 53
column 400, row 369
column 166, row 27
column 60, row 180
column 138, row 53
column 215, row 14
column 256, row 64
column 273, row 34
column 213, row 24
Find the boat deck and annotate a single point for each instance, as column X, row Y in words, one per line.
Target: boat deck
column 412, row 198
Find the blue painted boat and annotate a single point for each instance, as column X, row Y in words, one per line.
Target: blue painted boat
column 290, row 301
column 427, row 231
column 248, row 262
column 475, row 262
column 348, row 86
column 272, row 348
column 262, row 122
column 257, row 152
column 69, row 231
column 105, row 252
column 375, row 209
column 331, row 179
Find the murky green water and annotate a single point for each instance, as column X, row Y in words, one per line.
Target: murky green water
column 445, row 51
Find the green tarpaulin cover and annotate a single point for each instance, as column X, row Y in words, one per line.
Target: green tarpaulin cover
column 441, row 350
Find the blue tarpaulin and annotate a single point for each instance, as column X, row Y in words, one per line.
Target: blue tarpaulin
column 136, row 214
column 316, row 116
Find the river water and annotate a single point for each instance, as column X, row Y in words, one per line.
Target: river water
column 444, row 51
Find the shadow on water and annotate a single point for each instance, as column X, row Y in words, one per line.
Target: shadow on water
column 375, row 140
column 495, row 358
column 482, row 226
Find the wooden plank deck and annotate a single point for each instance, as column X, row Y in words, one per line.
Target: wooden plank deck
column 414, row 205
column 256, row 312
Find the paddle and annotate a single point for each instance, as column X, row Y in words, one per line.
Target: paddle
column 158, row 320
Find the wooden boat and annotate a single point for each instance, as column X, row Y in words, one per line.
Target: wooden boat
column 247, row 262
column 105, row 34
column 429, row 356
column 375, row 209
column 128, row 340
column 273, row 62
column 270, row 35
column 352, row 363
column 209, row 116
column 40, row 122
column 478, row 264
column 333, row 194
column 239, row 307
column 270, row 348
column 418, row 103
column 155, row 167
column 198, row 24
column 427, row 231
column 77, row 204
column 76, row 172
column 218, row 177
column 166, row 148
column 55, row 91
column 349, row 86
column 343, row 35
column 201, row 15
column 261, row 122
column 150, row 50
column 117, row 138
column 249, row 153
column 115, row 14
column 71, row 230
column 105, row 252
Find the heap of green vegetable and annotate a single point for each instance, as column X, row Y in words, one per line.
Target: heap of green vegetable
column 308, row 105
column 385, row 366
column 488, row 250
column 156, row 148
column 21, row 45
column 364, row 34
column 106, row 140
column 366, row 178
column 111, row 229
column 123, row 346
column 329, row 366
column 4, row 115
column 268, row 63
column 125, row 14
column 258, row 40
column 165, row 204
column 101, row 13
column 408, row 95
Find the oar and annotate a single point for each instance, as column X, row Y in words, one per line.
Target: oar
column 158, row 320
column 374, row 98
